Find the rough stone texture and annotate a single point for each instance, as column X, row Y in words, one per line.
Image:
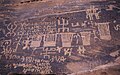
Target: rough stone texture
column 60, row 37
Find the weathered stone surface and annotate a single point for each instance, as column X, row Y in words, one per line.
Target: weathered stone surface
column 59, row 37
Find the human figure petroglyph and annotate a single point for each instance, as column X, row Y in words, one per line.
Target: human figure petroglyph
column 27, row 44
column 6, row 46
column 59, row 49
column 11, row 28
column 81, row 49
column 68, row 51
column 90, row 13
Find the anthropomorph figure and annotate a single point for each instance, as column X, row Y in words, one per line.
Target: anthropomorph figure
column 81, row 50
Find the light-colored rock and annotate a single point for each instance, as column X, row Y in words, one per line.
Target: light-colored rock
column 114, row 54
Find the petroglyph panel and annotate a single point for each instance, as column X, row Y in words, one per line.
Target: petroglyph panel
column 58, row 36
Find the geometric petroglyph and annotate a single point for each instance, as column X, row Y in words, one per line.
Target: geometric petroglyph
column 50, row 40
column 104, row 31
column 36, row 41
column 85, row 37
column 66, row 39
